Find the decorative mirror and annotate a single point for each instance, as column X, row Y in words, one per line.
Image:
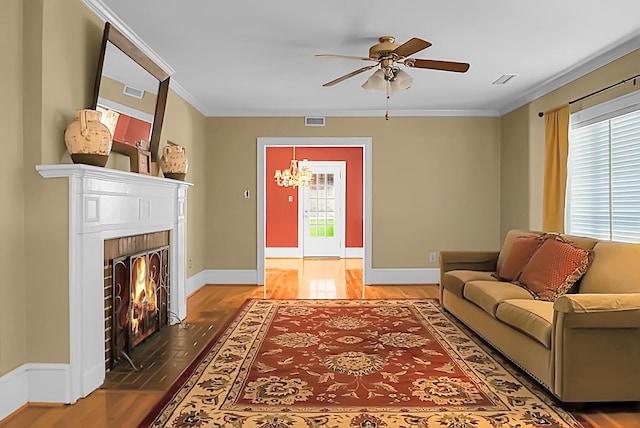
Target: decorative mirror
column 131, row 91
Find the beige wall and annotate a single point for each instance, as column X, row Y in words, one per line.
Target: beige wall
column 524, row 123
column 186, row 126
column 62, row 58
column 13, row 344
column 514, row 163
column 434, row 181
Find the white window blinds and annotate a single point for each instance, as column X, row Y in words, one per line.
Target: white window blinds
column 603, row 183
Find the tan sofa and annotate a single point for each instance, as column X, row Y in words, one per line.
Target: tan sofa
column 584, row 346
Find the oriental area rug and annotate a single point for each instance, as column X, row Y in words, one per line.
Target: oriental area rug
column 352, row 363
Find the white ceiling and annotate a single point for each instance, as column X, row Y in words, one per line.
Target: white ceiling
column 256, row 57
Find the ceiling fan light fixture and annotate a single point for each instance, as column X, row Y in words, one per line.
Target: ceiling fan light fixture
column 376, row 81
column 402, row 81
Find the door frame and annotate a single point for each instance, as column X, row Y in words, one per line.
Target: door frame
column 264, row 142
column 343, row 204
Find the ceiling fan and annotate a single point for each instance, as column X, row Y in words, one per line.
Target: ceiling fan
column 390, row 56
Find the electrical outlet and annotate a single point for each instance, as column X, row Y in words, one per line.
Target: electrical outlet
column 189, row 263
column 433, row 257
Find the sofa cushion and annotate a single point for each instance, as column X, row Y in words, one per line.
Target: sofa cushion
column 488, row 294
column 509, row 239
column 521, row 251
column 554, row 268
column 455, row 280
column 614, row 269
column 532, row 317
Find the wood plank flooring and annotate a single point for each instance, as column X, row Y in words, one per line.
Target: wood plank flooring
column 212, row 305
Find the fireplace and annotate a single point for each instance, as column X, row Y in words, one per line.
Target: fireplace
column 140, row 298
column 136, row 292
column 107, row 205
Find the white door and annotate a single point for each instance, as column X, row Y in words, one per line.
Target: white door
column 323, row 215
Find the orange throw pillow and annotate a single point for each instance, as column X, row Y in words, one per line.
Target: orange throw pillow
column 554, row 268
column 521, row 251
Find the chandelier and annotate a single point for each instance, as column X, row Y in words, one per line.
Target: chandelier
column 293, row 176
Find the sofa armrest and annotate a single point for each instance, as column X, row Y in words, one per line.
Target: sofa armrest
column 596, row 347
column 599, row 310
column 596, row 302
column 485, row 261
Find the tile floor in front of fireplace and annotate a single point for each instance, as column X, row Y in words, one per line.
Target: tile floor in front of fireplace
column 162, row 358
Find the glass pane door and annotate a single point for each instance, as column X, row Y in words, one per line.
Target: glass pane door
column 322, row 210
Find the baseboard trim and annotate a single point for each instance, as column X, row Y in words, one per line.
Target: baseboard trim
column 14, row 391
column 403, row 276
column 49, row 383
column 354, row 253
column 43, row 383
column 195, row 282
column 283, row 252
column 230, row 276
column 295, row 252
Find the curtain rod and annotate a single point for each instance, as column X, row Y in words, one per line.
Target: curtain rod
column 540, row 114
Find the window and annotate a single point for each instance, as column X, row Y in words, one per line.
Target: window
column 603, row 173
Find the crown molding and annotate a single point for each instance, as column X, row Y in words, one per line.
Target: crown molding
column 606, row 56
column 103, row 12
column 353, row 113
column 187, row 96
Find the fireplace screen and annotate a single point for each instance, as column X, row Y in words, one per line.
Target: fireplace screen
column 140, row 299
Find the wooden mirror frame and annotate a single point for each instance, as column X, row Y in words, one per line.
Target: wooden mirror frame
column 119, row 40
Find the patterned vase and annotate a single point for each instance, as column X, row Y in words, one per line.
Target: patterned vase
column 88, row 140
column 174, row 162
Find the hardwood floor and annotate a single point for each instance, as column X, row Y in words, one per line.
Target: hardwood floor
column 213, row 304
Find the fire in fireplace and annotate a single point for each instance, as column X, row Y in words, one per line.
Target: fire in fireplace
column 139, row 300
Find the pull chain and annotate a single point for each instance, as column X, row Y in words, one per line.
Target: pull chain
column 388, row 90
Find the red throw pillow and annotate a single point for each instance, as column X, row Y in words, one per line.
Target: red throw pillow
column 554, row 268
column 521, row 251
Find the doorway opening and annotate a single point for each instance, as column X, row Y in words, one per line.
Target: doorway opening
column 321, row 142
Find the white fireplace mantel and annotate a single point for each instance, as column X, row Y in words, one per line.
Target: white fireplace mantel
column 104, row 204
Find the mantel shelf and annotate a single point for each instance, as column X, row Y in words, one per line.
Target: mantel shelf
column 107, row 174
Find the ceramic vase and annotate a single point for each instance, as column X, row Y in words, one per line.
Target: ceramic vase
column 174, row 162
column 88, row 140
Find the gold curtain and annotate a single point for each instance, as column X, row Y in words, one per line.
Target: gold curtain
column 555, row 170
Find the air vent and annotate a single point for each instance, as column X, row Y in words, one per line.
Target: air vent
column 504, row 79
column 133, row 92
column 314, row 121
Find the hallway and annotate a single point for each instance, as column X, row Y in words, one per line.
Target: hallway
column 315, row 278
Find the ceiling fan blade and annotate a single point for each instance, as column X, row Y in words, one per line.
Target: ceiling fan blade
column 458, row 67
column 346, row 76
column 343, row 57
column 411, row 46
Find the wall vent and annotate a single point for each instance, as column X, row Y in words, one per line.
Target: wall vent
column 133, row 92
column 504, row 79
column 314, row 121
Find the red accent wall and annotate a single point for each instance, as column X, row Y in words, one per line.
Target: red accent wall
column 130, row 130
column 282, row 216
